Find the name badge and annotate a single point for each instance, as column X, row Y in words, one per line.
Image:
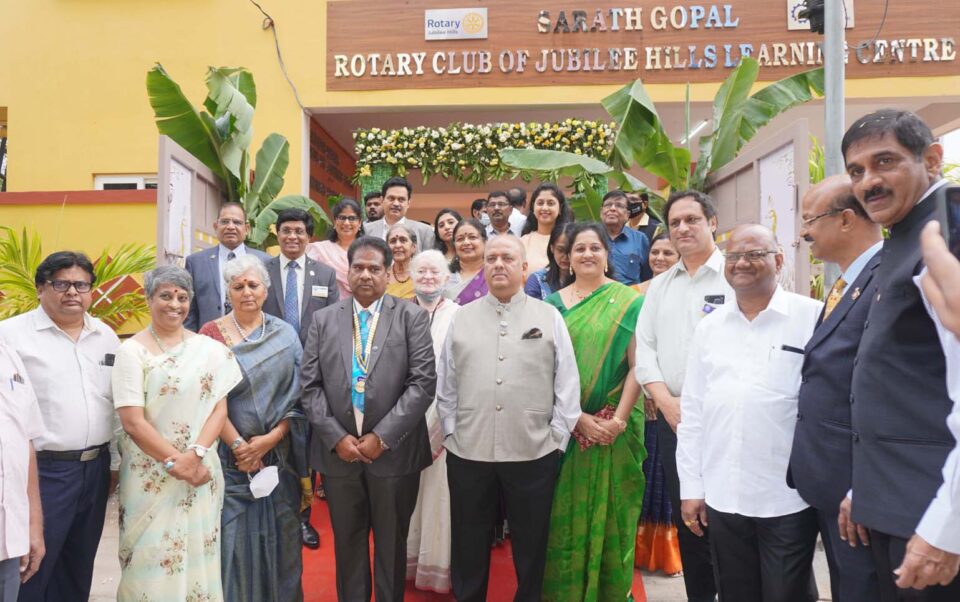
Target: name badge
column 319, row 291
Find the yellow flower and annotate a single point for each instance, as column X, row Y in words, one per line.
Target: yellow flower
column 365, row 171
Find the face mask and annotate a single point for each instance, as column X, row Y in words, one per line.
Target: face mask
column 484, row 219
column 429, row 297
column 635, row 209
column 264, row 482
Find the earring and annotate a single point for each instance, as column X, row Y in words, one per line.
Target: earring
column 571, row 270
column 605, row 267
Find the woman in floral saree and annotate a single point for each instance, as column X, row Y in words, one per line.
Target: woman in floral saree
column 599, row 493
column 169, row 387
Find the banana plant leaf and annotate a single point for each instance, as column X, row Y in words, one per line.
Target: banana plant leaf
column 233, row 113
column 737, row 115
column 261, row 236
column 177, row 118
column 641, row 139
column 559, row 162
column 272, row 160
column 586, row 203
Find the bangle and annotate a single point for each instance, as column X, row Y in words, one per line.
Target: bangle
column 237, row 443
column 620, row 423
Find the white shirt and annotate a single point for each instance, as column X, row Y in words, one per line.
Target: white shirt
column 566, row 385
column 739, row 407
column 72, row 379
column 940, row 524
column 240, row 251
column 20, row 422
column 302, row 263
column 674, row 305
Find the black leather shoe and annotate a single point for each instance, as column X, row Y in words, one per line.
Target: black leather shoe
column 309, row 536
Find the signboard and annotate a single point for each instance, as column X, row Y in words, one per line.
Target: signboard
column 577, row 43
column 455, row 24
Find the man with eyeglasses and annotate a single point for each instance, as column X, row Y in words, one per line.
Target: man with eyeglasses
column 299, row 286
column 68, row 355
column 629, row 248
column 210, row 300
column 840, row 231
column 738, row 411
column 675, row 303
column 501, row 212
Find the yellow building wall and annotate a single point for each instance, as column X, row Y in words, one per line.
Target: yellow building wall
column 72, row 76
column 87, row 228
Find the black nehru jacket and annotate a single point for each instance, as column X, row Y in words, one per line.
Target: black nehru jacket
column 899, row 401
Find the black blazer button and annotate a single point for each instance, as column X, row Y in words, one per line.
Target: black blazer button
column 851, row 398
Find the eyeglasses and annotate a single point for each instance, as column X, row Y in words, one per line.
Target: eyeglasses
column 347, row 218
column 231, row 222
column 497, row 205
column 62, row 286
column 751, row 256
column 293, row 232
column 808, row 222
column 614, row 205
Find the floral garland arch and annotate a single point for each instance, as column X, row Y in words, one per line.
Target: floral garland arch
column 469, row 153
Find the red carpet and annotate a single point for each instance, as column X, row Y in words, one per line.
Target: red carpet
column 319, row 572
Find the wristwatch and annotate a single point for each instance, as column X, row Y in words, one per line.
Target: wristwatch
column 200, row 450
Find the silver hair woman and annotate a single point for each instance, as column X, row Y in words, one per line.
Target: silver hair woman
column 265, row 429
column 170, row 388
column 430, row 522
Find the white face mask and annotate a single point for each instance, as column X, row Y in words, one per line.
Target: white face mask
column 484, row 219
column 264, row 482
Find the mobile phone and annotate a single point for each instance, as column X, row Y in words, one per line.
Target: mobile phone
column 950, row 217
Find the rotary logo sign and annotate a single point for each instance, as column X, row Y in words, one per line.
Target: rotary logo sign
column 455, row 24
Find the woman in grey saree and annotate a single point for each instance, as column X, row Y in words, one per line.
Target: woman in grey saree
column 260, row 537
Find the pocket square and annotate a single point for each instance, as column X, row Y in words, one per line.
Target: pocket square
column 533, row 333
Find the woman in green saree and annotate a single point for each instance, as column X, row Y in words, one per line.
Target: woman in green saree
column 596, row 507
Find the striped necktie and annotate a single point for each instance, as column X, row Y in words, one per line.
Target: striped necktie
column 291, row 308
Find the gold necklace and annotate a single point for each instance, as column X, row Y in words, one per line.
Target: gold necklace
column 363, row 354
column 156, row 339
column 396, row 278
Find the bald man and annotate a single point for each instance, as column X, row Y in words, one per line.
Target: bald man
column 737, row 418
column 500, row 350
column 839, row 231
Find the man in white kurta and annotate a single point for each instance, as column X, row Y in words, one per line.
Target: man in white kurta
column 738, row 412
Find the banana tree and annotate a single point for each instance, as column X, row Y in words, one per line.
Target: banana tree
column 219, row 136
column 642, row 141
column 116, row 298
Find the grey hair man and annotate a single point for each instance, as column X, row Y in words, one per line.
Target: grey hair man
column 495, row 446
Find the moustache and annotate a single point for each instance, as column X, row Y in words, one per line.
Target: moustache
column 877, row 190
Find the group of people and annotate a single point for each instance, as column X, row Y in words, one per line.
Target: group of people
column 438, row 378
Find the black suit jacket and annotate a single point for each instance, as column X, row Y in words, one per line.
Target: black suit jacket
column 315, row 274
column 401, row 383
column 820, row 462
column 204, row 268
column 899, row 401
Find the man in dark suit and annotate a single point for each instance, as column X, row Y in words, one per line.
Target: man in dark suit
column 840, row 231
column 299, row 286
column 368, row 377
column 315, row 282
column 210, row 300
column 396, row 193
column 899, row 401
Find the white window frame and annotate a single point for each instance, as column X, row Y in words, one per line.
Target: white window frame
column 140, row 180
